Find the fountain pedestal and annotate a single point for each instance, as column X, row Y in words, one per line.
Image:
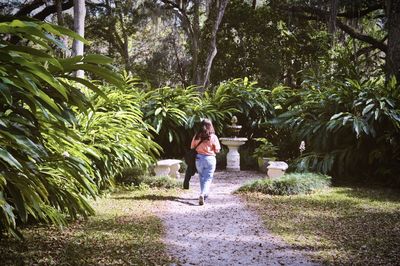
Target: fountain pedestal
column 233, row 156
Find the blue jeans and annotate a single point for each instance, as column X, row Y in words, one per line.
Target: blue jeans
column 205, row 165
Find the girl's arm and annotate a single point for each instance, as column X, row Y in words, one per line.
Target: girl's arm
column 217, row 145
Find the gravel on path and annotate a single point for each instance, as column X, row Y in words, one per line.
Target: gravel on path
column 223, row 231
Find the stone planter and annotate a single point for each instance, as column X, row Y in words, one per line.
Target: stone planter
column 276, row 169
column 263, row 163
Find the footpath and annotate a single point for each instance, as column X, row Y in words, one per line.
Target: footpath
column 223, row 231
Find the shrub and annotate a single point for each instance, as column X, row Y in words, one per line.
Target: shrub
column 136, row 177
column 115, row 132
column 247, row 161
column 173, row 112
column 351, row 128
column 169, row 111
column 264, row 149
column 40, row 177
column 161, row 182
column 290, row 184
column 243, row 98
column 59, row 141
column 131, row 176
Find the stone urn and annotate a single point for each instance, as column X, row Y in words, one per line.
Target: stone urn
column 233, row 129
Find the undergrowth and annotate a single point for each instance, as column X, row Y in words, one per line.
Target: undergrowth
column 290, row 184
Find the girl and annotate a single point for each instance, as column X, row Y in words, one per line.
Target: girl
column 207, row 147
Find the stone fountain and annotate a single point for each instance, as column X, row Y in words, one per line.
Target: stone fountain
column 233, row 143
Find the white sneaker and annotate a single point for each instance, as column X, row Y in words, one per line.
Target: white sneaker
column 201, row 200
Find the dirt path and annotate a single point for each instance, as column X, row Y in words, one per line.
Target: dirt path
column 223, row 231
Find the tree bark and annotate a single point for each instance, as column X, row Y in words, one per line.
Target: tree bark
column 333, row 15
column 60, row 21
column 180, row 68
column 26, row 9
column 79, row 27
column 195, row 40
column 60, row 18
column 220, row 6
column 393, row 42
column 48, row 10
column 318, row 14
column 124, row 39
column 191, row 26
column 254, row 4
column 214, row 11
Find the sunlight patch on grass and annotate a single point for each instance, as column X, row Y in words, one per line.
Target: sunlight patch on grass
column 336, row 226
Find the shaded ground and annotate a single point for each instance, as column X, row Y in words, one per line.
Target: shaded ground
column 124, row 232
column 341, row 226
column 223, row 231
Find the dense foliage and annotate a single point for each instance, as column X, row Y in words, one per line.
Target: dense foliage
column 57, row 146
column 272, row 50
column 176, row 112
column 115, row 133
column 350, row 127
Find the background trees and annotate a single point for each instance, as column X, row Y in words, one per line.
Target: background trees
column 272, row 40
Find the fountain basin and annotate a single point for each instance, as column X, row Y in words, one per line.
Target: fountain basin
column 233, row 156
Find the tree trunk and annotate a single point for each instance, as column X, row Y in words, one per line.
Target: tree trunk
column 124, row 51
column 79, row 27
column 180, row 68
column 196, row 43
column 332, row 18
column 254, row 4
column 60, row 20
column 393, row 43
column 216, row 17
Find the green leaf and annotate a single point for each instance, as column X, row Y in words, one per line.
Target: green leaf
column 97, row 59
column 88, row 84
column 368, row 108
column 6, row 93
column 101, row 72
column 19, row 202
column 335, row 116
column 58, row 30
column 8, row 158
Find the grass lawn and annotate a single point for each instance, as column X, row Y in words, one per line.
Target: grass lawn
column 338, row 226
column 124, row 232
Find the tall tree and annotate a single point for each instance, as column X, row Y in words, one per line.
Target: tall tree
column 195, row 40
column 217, row 11
column 61, row 22
column 384, row 12
column 254, row 4
column 393, row 43
column 267, row 45
column 79, row 27
column 191, row 13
